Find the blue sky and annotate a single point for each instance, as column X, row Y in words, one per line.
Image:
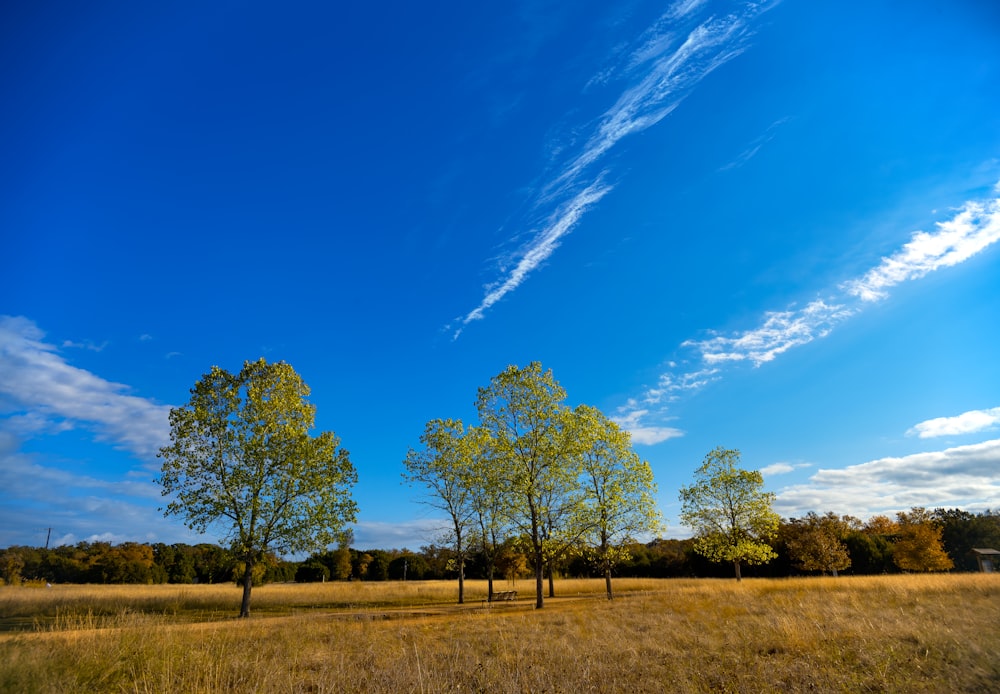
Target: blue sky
column 769, row 226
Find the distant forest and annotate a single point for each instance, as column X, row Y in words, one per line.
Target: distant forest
column 872, row 547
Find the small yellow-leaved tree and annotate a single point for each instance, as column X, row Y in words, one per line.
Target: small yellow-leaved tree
column 729, row 512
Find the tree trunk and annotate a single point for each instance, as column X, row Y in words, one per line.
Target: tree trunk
column 539, row 581
column 552, row 585
column 489, row 584
column 461, row 580
column 605, row 551
column 736, row 565
column 247, row 587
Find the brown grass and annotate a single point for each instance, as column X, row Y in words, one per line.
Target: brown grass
column 851, row 634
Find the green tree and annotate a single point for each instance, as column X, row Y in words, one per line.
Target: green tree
column 340, row 563
column 962, row 531
column 729, row 511
column 312, row 571
column 817, row 544
column 510, row 561
column 11, row 566
column 242, row 459
column 522, row 412
column 620, row 492
column 490, row 507
column 446, row 468
column 918, row 544
column 378, row 566
column 359, row 564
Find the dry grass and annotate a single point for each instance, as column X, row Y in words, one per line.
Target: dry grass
column 852, row 634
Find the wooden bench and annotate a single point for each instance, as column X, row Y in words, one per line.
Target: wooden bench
column 509, row 595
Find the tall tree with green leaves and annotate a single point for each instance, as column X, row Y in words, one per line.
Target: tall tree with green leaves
column 490, row 503
column 729, row 512
column 242, row 460
column 619, row 501
column 522, row 411
column 445, row 466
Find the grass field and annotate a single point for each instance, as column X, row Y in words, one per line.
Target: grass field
column 851, row 634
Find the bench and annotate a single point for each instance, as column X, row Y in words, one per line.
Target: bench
column 508, row 595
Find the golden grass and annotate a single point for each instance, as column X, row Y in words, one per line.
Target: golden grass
column 851, row 634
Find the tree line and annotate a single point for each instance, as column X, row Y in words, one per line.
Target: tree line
column 916, row 540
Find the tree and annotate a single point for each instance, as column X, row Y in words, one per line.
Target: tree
column 729, row 511
column 918, row 544
column 962, row 531
column 522, row 412
column 490, row 505
column 446, row 468
column 340, row 562
column 11, row 566
column 817, row 545
column 241, row 459
column 619, row 502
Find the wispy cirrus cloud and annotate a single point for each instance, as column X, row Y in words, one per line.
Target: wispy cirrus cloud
column 970, row 422
column 41, row 391
column 780, row 331
column 973, row 228
column 540, row 248
column 751, row 150
column 669, row 61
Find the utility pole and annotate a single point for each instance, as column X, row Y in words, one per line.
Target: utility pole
column 48, row 535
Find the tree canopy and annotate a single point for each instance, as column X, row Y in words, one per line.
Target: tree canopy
column 918, row 545
column 537, row 474
column 619, row 491
column 817, row 543
column 729, row 511
column 522, row 412
column 446, row 467
column 242, row 461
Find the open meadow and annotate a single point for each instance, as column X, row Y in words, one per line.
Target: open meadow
column 904, row 633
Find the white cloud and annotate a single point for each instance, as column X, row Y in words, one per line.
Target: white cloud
column 670, row 385
column 780, row 331
column 781, row 468
column 751, row 151
column 541, row 247
column 21, row 478
column 79, row 507
column 652, row 435
column 411, row 534
column 86, row 344
column 670, row 74
column 630, row 419
column 967, row 477
column 975, row 227
column 44, row 391
column 965, row 423
column 683, row 8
